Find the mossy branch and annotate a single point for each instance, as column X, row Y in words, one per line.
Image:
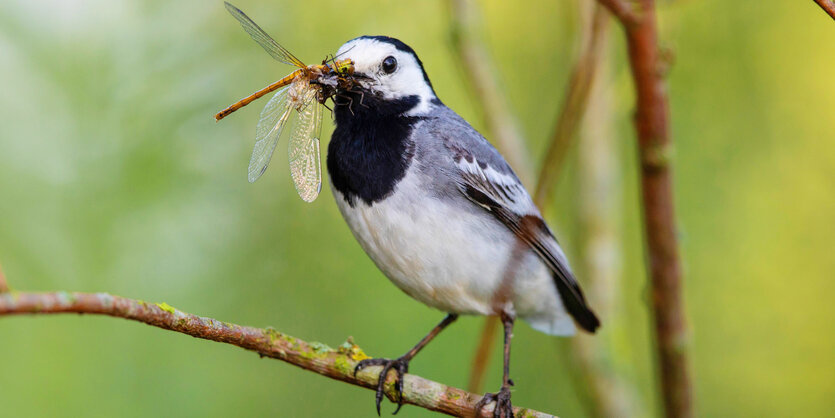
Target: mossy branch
column 335, row 363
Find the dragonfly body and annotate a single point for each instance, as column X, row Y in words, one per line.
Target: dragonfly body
column 308, row 73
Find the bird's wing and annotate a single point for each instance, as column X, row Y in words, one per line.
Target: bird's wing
column 486, row 179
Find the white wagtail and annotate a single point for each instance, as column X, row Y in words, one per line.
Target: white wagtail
column 439, row 210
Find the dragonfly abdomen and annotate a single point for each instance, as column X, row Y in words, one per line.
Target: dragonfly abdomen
column 247, row 100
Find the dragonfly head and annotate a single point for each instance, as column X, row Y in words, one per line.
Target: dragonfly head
column 332, row 74
column 343, row 67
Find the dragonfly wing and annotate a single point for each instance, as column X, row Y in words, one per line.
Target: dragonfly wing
column 303, row 149
column 269, row 44
column 273, row 119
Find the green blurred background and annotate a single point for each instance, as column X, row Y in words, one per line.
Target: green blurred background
column 114, row 177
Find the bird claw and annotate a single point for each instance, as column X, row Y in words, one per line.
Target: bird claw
column 400, row 365
column 503, row 408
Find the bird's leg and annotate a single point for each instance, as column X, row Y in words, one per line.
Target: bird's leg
column 401, row 364
column 503, row 408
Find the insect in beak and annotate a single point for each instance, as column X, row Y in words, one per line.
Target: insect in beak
column 344, row 67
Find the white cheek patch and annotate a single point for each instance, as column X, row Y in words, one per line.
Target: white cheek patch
column 422, row 108
column 407, row 79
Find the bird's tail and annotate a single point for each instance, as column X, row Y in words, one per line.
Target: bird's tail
column 575, row 303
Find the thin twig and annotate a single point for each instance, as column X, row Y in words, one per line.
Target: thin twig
column 655, row 147
column 606, row 394
column 828, row 6
column 480, row 78
column 482, row 354
column 622, row 10
column 599, row 366
column 334, row 363
column 573, row 107
column 568, row 119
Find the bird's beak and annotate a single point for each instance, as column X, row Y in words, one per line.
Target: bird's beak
column 340, row 74
column 330, row 79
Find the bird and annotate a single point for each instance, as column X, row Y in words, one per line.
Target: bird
column 440, row 212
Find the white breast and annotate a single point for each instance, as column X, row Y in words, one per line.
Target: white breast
column 450, row 258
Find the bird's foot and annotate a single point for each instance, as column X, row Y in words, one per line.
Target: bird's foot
column 399, row 365
column 503, row 408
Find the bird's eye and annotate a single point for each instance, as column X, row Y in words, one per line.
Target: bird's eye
column 389, row 64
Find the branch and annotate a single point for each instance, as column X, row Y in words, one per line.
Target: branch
column 573, row 107
column 828, row 6
column 565, row 129
column 622, row 10
column 597, row 362
column 480, row 78
column 482, row 353
column 334, row 363
column 655, row 146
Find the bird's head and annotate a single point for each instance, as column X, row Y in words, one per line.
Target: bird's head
column 388, row 79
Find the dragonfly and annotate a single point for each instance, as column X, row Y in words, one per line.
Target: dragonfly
column 294, row 102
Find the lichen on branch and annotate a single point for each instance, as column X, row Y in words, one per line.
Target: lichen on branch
column 337, row 363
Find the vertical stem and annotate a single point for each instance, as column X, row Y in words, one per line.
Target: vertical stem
column 479, row 75
column 592, row 45
column 483, row 84
column 482, row 355
column 654, row 143
column 597, row 364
